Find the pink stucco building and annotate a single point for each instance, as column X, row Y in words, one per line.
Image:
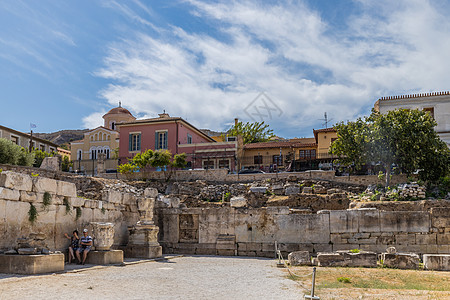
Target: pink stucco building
column 177, row 136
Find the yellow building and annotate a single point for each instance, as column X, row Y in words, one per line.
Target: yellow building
column 297, row 154
column 324, row 138
column 103, row 140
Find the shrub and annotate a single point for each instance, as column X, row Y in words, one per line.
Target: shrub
column 344, row 279
column 66, row 203
column 39, row 157
column 13, row 154
column 355, row 251
column 47, row 199
column 32, row 213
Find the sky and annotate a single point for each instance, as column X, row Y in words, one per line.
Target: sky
column 63, row 64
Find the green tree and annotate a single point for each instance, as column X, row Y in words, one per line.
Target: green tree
column 66, row 164
column 179, row 160
column 127, row 168
column 39, row 156
column 142, row 160
column 402, row 137
column 352, row 144
column 13, row 154
column 252, row 132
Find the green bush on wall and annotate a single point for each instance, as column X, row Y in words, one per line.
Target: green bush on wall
column 32, row 213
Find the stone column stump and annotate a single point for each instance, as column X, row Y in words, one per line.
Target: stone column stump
column 103, row 235
column 143, row 242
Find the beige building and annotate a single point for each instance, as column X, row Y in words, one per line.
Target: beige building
column 437, row 104
column 103, row 140
column 23, row 139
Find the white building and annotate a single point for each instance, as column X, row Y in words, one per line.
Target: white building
column 437, row 104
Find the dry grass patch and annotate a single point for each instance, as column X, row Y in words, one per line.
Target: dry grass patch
column 344, row 281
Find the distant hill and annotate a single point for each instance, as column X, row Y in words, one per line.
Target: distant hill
column 63, row 136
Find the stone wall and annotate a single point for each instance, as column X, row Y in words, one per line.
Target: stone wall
column 221, row 175
column 18, row 191
column 253, row 232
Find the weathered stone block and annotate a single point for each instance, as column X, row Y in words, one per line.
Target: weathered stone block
column 9, row 194
column 105, row 257
column 443, row 249
column 238, row 201
column 67, row 189
column 443, row 238
column 405, row 221
column 322, row 247
column 401, row 260
column 405, row 239
column 112, row 197
column 129, row 199
column 344, row 221
column 299, row 258
column 226, row 252
column 16, row 181
column 77, row 201
column 438, row 262
column 28, row 196
column 315, row 228
column 254, row 246
column 426, row 239
column 348, row 259
column 292, row 190
column 336, row 238
column 307, row 190
column 42, row 185
column 258, row 189
column 150, row 193
column 440, row 217
column 372, row 240
column 31, row 264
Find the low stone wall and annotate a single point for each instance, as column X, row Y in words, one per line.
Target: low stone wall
column 19, row 191
column 221, row 175
column 253, row 232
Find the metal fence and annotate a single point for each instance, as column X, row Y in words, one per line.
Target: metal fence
column 293, row 162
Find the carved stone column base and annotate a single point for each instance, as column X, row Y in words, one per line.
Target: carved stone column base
column 143, row 242
column 143, row 251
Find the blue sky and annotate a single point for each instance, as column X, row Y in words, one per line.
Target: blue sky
column 63, row 64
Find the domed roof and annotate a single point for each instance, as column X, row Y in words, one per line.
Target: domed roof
column 118, row 110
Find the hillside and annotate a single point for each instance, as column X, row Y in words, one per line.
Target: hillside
column 63, row 136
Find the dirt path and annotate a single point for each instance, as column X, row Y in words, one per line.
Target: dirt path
column 195, row 277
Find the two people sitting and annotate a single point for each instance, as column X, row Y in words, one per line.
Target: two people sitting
column 79, row 245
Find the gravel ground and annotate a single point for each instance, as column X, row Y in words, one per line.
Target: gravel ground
column 191, row 277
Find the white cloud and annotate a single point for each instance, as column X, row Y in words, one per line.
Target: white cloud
column 286, row 50
column 94, row 120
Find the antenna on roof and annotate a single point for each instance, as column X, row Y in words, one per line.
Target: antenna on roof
column 325, row 118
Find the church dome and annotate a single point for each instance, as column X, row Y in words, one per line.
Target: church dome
column 118, row 110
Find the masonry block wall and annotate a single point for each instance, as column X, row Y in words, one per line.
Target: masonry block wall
column 18, row 191
column 253, row 232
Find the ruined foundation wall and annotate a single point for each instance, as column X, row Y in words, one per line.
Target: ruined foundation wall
column 18, row 191
column 253, row 232
column 221, row 175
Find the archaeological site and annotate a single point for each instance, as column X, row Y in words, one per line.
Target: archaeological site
column 207, row 212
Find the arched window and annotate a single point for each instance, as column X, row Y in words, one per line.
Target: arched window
column 107, row 151
column 92, row 138
column 109, row 137
column 93, row 153
column 79, row 154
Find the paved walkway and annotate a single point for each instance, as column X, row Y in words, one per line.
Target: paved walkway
column 191, row 277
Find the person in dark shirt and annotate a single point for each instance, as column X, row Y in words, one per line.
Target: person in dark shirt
column 84, row 246
column 74, row 241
